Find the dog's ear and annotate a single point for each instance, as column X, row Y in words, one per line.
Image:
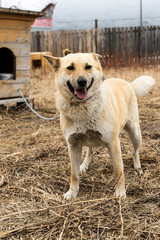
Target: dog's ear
column 97, row 57
column 53, row 61
column 66, row 52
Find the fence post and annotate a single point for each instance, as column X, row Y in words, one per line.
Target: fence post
column 96, row 27
column 139, row 43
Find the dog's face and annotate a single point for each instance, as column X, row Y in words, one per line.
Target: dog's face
column 78, row 75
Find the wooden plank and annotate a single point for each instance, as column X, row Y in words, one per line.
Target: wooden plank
column 50, row 42
column 104, row 36
column 42, row 49
column 66, row 39
column 106, row 43
column 80, row 40
column 11, row 90
column 109, row 42
column 130, row 52
column 23, row 76
column 146, row 45
column 14, row 25
column 103, row 50
column 36, row 42
column 150, row 45
column 123, row 45
column 63, row 41
column 101, row 42
column 98, row 41
column 16, row 100
column 59, row 46
column 23, row 63
column 139, row 43
column 54, row 44
column 68, row 35
column 93, row 41
column 114, row 46
column 84, row 42
column 72, row 41
column 119, row 49
column 135, row 31
column 88, row 33
column 14, row 35
column 43, row 41
column 46, row 41
column 17, row 20
column 107, row 47
column 154, row 44
column 24, row 50
column 126, row 44
column 75, row 43
column 75, row 49
column 158, row 43
column 54, row 47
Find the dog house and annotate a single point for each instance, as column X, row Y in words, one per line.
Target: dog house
column 15, row 52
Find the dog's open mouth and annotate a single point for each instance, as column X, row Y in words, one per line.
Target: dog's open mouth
column 80, row 93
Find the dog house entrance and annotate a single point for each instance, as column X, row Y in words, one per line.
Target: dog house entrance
column 7, row 64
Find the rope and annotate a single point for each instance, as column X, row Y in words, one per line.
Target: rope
column 44, row 118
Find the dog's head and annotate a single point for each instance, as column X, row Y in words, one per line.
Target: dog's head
column 78, row 76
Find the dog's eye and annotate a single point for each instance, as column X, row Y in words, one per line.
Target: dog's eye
column 70, row 68
column 87, row 67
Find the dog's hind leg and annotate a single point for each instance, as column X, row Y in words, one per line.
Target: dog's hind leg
column 85, row 165
column 134, row 132
column 75, row 152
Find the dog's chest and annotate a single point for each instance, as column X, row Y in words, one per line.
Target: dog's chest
column 90, row 138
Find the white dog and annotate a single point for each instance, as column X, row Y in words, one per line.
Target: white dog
column 93, row 113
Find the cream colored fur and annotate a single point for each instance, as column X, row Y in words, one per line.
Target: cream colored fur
column 98, row 119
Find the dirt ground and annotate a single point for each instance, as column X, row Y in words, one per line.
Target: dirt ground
column 35, row 163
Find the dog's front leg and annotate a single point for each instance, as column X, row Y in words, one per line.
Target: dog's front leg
column 75, row 158
column 115, row 152
column 85, row 165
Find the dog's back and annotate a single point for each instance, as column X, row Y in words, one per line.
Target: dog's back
column 141, row 85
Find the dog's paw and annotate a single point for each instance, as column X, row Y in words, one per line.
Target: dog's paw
column 138, row 171
column 71, row 194
column 120, row 193
column 83, row 168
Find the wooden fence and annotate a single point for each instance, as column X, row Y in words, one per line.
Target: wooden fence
column 118, row 46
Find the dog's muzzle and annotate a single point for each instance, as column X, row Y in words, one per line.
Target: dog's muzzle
column 81, row 91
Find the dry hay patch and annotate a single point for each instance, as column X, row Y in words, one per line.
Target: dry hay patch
column 35, row 163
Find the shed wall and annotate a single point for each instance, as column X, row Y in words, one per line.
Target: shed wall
column 15, row 35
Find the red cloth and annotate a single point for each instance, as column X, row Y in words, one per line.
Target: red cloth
column 43, row 22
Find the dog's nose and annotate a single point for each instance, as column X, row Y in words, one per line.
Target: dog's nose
column 82, row 82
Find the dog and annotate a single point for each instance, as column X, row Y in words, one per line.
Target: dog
column 93, row 113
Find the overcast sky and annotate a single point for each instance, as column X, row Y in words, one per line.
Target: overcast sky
column 110, row 13
column 74, row 14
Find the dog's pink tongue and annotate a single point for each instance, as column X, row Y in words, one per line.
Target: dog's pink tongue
column 81, row 93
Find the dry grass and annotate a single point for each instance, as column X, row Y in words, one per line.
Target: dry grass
column 35, row 163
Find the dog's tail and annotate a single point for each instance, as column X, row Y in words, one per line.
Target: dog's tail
column 143, row 85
